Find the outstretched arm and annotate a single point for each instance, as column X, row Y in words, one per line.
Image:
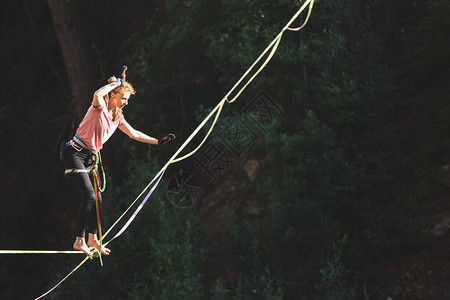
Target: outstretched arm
column 99, row 95
column 142, row 137
column 137, row 135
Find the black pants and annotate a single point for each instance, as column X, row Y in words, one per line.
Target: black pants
column 87, row 214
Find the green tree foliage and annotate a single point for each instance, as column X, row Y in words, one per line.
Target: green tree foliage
column 352, row 159
column 334, row 282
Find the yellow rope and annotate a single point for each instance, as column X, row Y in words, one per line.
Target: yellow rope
column 62, row 280
column 273, row 45
column 311, row 3
column 38, row 252
column 220, row 106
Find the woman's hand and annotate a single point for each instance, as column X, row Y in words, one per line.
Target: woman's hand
column 166, row 138
column 99, row 95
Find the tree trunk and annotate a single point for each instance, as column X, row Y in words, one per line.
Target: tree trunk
column 74, row 51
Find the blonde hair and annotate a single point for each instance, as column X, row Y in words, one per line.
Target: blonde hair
column 123, row 88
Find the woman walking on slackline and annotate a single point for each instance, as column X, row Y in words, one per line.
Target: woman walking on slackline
column 103, row 117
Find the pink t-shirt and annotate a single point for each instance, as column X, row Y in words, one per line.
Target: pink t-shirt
column 97, row 127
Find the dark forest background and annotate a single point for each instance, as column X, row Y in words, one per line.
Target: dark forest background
column 341, row 194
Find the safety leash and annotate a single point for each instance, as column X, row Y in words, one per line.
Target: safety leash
column 97, row 161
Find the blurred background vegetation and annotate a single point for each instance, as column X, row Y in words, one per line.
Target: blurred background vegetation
column 351, row 178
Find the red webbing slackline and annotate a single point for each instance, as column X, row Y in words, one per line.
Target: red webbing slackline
column 97, row 161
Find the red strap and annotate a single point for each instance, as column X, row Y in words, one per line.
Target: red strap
column 97, row 206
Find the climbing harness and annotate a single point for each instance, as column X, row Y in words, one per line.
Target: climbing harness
column 217, row 110
column 80, row 146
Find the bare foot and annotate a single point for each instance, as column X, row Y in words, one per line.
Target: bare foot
column 94, row 242
column 80, row 245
